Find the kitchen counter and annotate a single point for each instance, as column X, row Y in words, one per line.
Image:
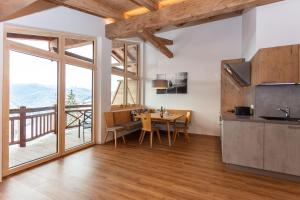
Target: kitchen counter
column 233, row 117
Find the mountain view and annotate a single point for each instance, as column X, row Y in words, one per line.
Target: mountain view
column 35, row 95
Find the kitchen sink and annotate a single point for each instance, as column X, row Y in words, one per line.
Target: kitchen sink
column 281, row 118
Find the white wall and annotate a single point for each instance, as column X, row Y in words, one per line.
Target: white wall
column 197, row 50
column 278, row 24
column 249, row 43
column 68, row 20
column 1, row 85
column 271, row 25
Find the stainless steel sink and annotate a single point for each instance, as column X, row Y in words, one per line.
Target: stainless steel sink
column 281, row 118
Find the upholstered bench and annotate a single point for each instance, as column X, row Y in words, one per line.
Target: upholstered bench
column 120, row 123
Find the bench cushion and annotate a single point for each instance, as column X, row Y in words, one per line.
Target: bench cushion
column 131, row 125
column 116, row 128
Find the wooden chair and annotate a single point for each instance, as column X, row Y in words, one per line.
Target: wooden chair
column 111, row 128
column 183, row 127
column 148, row 128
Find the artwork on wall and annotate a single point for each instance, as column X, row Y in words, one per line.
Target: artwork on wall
column 177, row 83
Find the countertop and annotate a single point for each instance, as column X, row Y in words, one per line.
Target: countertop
column 233, row 117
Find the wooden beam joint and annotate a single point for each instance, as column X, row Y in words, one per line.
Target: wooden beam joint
column 158, row 42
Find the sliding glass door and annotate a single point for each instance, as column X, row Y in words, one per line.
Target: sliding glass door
column 48, row 106
column 32, row 108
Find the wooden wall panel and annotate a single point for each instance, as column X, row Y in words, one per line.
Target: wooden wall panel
column 232, row 94
column 276, row 65
column 279, row 64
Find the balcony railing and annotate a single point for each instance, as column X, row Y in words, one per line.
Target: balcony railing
column 27, row 124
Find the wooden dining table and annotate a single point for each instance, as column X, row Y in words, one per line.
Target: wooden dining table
column 167, row 119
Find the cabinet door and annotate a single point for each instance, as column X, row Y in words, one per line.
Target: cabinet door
column 243, row 143
column 279, row 64
column 282, row 148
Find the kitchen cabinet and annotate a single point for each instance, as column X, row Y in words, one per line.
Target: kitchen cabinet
column 242, row 143
column 282, row 148
column 276, row 65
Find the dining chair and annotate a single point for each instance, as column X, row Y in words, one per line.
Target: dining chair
column 183, row 127
column 112, row 128
column 147, row 127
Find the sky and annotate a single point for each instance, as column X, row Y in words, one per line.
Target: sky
column 27, row 69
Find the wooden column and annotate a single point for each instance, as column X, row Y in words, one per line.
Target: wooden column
column 23, row 126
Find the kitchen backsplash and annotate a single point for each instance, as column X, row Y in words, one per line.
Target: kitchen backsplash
column 268, row 98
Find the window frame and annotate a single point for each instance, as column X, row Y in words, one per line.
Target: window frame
column 128, row 75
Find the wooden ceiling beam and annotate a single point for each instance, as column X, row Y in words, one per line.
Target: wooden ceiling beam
column 149, row 4
column 34, row 7
column 117, row 56
column 165, row 41
column 179, row 13
column 11, row 7
column 156, row 42
column 211, row 19
column 94, row 7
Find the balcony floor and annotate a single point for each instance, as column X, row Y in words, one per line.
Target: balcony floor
column 44, row 146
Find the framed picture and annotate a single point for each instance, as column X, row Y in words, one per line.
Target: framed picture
column 177, row 83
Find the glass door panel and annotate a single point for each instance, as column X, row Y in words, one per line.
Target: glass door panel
column 32, row 108
column 78, row 106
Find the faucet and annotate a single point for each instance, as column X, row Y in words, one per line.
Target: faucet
column 287, row 111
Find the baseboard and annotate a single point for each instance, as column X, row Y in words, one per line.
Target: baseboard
column 264, row 172
column 205, row 132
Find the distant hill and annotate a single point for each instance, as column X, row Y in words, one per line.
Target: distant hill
column 35, row 95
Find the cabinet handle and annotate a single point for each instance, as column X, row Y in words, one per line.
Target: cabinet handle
column 294, row 127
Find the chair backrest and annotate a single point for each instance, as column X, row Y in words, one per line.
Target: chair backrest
column 146, row 122
column 182, row 112
column 187, row 119
column 109, row 119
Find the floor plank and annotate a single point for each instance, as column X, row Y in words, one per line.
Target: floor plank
column 132, row 171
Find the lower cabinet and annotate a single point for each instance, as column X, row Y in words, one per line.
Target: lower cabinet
column 272, row 147
column 282, row 148
column 242, row 143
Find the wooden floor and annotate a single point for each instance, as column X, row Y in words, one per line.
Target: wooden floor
column 192, row 171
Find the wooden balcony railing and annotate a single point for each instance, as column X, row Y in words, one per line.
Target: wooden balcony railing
column 42, row 121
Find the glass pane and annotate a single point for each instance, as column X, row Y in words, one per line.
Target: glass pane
column 32, row 104
column 132, row 91
column 117, row 55
column 79, row 104
column 41, row 42
column 116, row 64
column 132, row 59
column 117, row 90
column 80, row 49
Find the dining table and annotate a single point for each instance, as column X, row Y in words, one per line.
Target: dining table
column 167, row 118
